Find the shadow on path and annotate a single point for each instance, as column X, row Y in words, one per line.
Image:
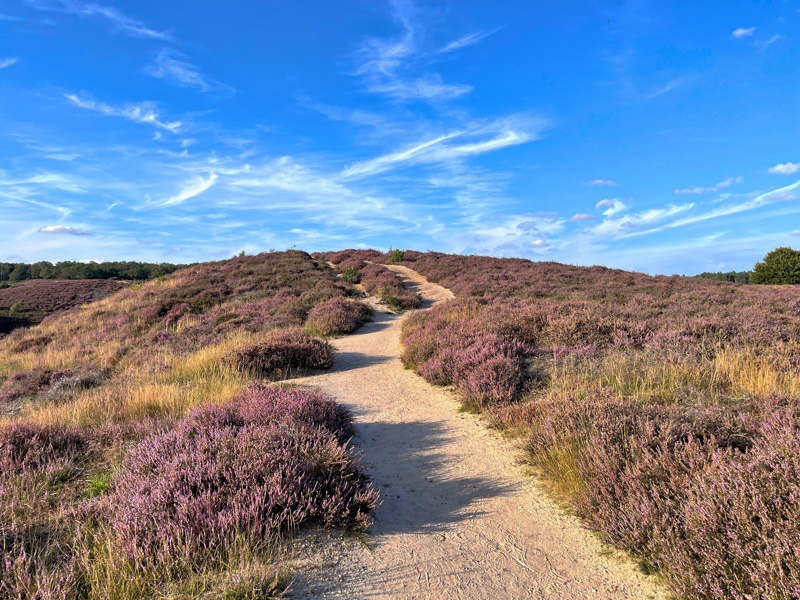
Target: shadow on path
column 412, row 470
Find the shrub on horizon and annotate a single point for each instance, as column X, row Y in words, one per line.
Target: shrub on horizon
column 779, row 267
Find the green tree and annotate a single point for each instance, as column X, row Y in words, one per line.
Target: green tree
column 781, row 266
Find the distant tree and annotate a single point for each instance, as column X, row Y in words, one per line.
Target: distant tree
column 21, row 272
column 781, row 266
column 735, row 276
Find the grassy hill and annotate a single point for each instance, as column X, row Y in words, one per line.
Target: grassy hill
column 142, row 453
column 139, row 456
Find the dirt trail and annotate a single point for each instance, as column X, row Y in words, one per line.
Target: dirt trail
column 458, row 518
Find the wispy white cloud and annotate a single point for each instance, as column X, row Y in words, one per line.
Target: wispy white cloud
column 580, row 217
column 65, row 230
column 143, row 112
column 390, row 66
column 194, row 188
column 796, row 232
column 120, row 21
column 468, row 40
column 174, row 66
column 601, row 182
column 665, row 88
column 730, row 181
column 788, row 168
column 743, row 32
column 695, row 190
column 612, row 206
column 766, row 43
column 478, row 138
column 7, row 62
column 710, row 189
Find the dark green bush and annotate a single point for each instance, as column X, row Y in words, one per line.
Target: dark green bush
column 781, row 266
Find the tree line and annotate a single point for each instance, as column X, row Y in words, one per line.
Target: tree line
column 16, row 272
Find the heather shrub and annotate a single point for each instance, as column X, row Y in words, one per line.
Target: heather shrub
column 710, row 497
column 285, row 352
column 235, row 472
column 336, row 316
column 23, row 384
column 485, row 366
column 31, row 448
column 259, row 404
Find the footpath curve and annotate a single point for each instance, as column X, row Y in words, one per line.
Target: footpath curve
column 458, row 518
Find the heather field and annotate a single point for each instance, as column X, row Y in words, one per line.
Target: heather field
column 664, row 410
column 29, row 302
column 144, row 451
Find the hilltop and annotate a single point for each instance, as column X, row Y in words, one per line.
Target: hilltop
column 662, row 409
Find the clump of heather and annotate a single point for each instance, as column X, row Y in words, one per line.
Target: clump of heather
column 22, row 384
column 263, row 464
column 260, row 403
column 285, row 352
column 486, row 366
column 708, row 496
column 338, row 315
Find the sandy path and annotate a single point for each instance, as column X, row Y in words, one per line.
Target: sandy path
column 458, row 517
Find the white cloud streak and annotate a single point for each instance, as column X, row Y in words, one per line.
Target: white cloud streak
column 174, row 66
column 467, row 40
column 120, row 21
column 7, row 62
column 65, row 230
column 477, row 139
column 601, row 183
column 708, row 190
column 139, row 113
column 194, row 188
column 388, row 66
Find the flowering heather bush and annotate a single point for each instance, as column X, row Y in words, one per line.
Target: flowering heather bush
column 267, row 462
column 485, row 366
column 651, row 405
column 22, row 384
column 708, row 496
column 338, row 315
column 29, row 448
column 284, row 353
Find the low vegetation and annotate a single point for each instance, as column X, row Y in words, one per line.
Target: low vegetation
column 663, row 409
column 137, row 457
column 29, row 302
column 357, row 267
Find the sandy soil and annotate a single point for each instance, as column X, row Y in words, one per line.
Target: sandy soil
column 459, row 518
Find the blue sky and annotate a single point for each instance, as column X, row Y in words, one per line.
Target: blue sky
column 655, row 136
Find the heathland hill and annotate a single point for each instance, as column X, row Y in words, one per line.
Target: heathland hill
column 144, row 450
